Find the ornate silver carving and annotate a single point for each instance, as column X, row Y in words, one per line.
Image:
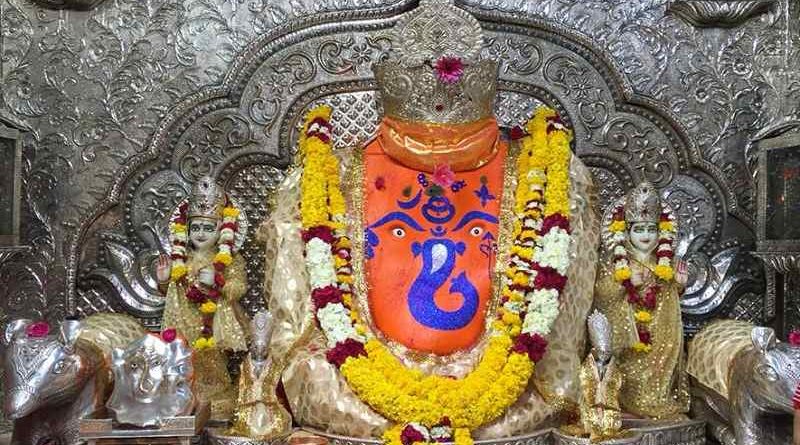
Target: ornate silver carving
column 124, row 87
column 355, row 117
column 760, row 383
column 416, row 94
column 436, row 29
column 79, row 5
column 677, row 433
column 153, row 381
column 514, row 109
column 131, row 278
column 600, row 333
column 251, row 184
column 718, row 13
column 358, row 115
column 50, row 382
column 712, row 280
column 541, row 437
column 409, row 80
column 696, row 208
column 781, row 262
column 216, row 436
column 180, row 430
column 6, row 253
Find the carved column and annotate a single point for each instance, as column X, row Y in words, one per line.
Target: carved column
column 778, row 234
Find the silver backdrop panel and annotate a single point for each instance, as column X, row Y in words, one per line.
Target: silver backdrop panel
column 129, row 102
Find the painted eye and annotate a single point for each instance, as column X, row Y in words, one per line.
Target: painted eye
column 398, row 232
column 476, row 231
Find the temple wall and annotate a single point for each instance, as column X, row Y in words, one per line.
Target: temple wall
column 94, row 87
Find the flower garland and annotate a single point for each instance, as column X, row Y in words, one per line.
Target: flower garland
column 431, row 408
column 205, row 298
column 642, row 306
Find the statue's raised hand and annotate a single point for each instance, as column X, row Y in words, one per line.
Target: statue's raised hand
column 681, row 273
column 163, row 268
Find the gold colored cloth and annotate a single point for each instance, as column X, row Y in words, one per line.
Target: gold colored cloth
column 212, row 381
column 423, row 146
column 319, row 396
column 108, row 331
column 712, row 350
column 655, row 383
column 600, row 412
column 259, row 414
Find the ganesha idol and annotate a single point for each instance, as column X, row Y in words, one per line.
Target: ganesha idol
column 442, row 296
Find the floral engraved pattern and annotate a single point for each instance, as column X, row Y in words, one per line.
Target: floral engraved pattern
column 198, row 84
column 636, row 144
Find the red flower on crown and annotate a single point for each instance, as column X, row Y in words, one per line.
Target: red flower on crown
column 449, row 69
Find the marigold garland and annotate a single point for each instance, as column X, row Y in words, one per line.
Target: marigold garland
column 431, row 408
column 642, row 306
column 204, row 297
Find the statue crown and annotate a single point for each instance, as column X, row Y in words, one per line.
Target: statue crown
column 207, row 199
column 643, row 204
column 599, row 331
column 434, row 73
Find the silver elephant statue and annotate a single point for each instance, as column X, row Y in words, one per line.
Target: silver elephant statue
column 743, row 380
column 52, row 380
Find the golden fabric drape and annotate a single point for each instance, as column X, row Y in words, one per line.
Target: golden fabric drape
column 319, row 396
column 600, row 411
column 259, row 413
column 212, row 381
column 655, row 383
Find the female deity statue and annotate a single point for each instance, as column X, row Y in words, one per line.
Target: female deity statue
column 202, row 281
column 441, row 262
column 258, row 411
column 639, row 291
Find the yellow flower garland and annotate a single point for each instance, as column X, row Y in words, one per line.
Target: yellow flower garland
column 406, row 395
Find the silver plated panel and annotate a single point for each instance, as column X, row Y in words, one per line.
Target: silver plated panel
column 130, row 91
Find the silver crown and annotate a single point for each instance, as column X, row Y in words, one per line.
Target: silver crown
column 207, row 199
column 643, row 204
column 407, row 80
column 599, row 332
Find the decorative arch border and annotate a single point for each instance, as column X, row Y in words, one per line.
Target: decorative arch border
column 231, row 92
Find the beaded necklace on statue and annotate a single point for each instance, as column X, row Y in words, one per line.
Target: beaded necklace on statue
column 431, row 408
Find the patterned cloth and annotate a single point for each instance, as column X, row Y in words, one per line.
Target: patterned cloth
column 655, row 383
column 213, row 383
column 319, row 396
column 713, row 349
